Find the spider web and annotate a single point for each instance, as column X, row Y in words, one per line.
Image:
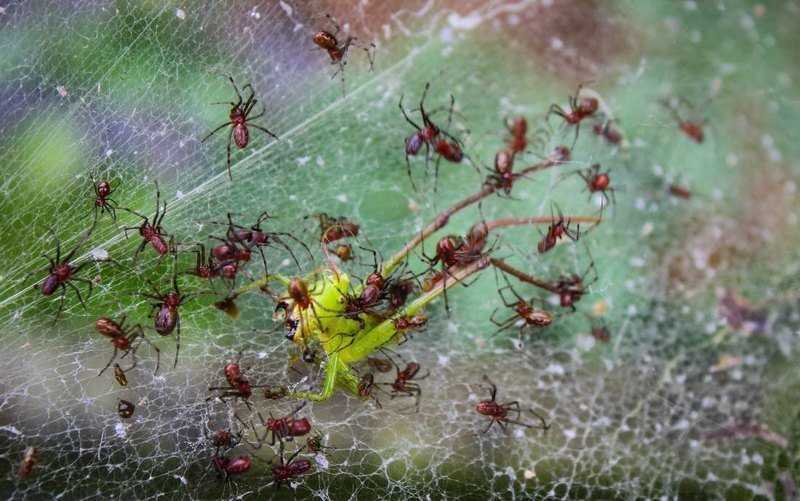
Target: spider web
column 121, row 91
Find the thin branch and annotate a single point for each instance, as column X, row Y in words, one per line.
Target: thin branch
column 441, row 220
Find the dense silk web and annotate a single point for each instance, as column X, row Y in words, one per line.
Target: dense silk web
column 123, row 92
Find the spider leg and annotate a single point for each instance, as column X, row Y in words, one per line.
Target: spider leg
column 263, row 112
column 139, row 250
column 450, row 112
column 422, row 99
column 75, row 249
column 340, row 72
column 334, row 23
column 544, row 426
column 436, row 174
column 492, row 387
column 408, row 169
column 555, row 109
column 296, row 240
column 158, row 200
column 341, row 335
column 230, row 136
column 113, row 211
column 408, row 119
column 75, row 288
column 250, row 96
column 504, row 325
column 229, row 103
column 265, row 130
column 177, row 337
column 58, row 247
column 235, row 88
column 226, row 124
column 577, row 131
column 509, row 287
column 491, row 422
column 109, row 362
column 427, row 156
column 520, row 423
column 261, row 218
column 62, row 301
column 64, row 295
column 512, row 407
column 283, row 244
column 139, row 333
column 355, row 42
column 248, row 107
column 49, row 267
column 130, row 351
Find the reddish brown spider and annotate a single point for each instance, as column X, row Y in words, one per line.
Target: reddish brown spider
column 255, row 236
column 290, row 469
column 296, row 305
column 151, row 232
column 379, row 296
column 166, row 308
column 335, row 228
column 402, row 387
column 314, row 444
column 62, row 273
column 365, row 384
column 338, row 50
column 405, row 324
column 609, row 131
column 432, row 137
column 282, row 428
column 238, row 385
column 556, row 231
column 103, row 201
column 518, row 142
column 597, row 181
column 371, row 298
column 416, row 322
column 229, row 250
column 226, row 467
column 523, row 310
column 680, row 192
column 240, row 120
column 560, row 154
column 455, row 251
column 692, row 128
column 499, row 412
column 579, row 109
column 124, row 340
column 224, row 439
column 29, row 461
column 572, row 287
column 503, row 176
column 600, row 332
column 211, row 267
column 380, row 364
column 398, row 290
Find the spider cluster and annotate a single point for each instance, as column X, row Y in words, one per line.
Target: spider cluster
column 347, row 301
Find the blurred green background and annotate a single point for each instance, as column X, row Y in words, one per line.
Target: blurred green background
column 122, row 91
